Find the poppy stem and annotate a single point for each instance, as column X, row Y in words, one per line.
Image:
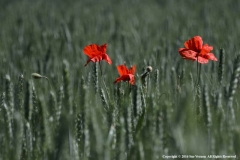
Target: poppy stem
column 198, row 72
column 100, row 68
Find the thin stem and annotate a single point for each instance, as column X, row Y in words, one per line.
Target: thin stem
column 100, row 68
column 198, row 73
column 198, row 92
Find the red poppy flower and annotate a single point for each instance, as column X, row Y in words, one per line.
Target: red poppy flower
column 196, row 51
column 126, row 74
column 96, row 53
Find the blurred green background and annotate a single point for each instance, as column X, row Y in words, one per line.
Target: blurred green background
column 174, row 115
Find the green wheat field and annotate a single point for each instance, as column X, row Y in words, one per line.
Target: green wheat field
column 77, row 113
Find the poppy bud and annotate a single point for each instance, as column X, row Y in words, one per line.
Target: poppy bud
column 7, row 77
column 36, row 75
column 149, row 69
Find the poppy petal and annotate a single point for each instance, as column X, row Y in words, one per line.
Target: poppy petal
column 194, row 43
column 190, row 58
column 117, row 80
column 205, row 49
column 107, row 58
column 187, row 53
column 122, row 78
column 103, row 48
column 210, row 56
column 132, row 79
column 132, row 70
column 202, row 60
column 122, row 70
column 89, row 60
column 91, row 50
column 94, row 59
